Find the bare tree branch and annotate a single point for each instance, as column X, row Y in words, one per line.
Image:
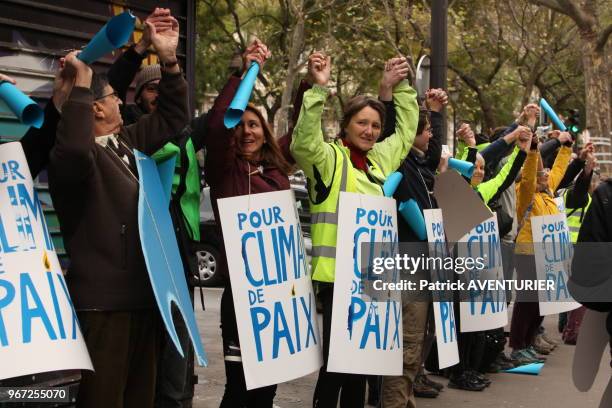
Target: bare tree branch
column 603, row 38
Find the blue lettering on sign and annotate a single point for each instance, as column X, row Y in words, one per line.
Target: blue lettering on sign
column 38, row 311
column 287, row 249
column 302, row 315
column 259, row 218
column 373, row 329
column 560, row 284
column 447, row 314
column 5, row 300
column 32, row 308
column 27, row 206
column 556, row 242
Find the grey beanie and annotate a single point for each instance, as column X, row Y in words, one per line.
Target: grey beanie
column 146, row 74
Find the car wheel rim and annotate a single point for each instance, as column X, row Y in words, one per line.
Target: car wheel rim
column 207, row 265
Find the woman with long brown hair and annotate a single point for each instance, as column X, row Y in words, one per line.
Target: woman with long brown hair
column 244, row 160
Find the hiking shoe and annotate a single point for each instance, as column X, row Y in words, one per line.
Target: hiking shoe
column 522, row 357
column 534, row 354
column 465, row 382
column 422, row 390
column 424, row 379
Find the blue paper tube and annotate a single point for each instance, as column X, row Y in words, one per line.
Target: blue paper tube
column 465, row 168
column 411, row 212
column 391, row 183
column 28, row 111
column 241, row 99
column 552, row 115
column 113, row 35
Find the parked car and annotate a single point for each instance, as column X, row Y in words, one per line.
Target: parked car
column 208, row 252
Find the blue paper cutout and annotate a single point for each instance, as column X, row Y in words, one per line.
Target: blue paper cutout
column 161, row 252
column 552, row 115
column 113, row 35
column 411, row 212
column 391, row 183
column 531, row 369
column 28, row 111
column 241, row 99
column 465, row 168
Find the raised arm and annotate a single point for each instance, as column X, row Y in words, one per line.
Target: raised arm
column 124, row 69
column 37, row 143
column 220, row 144
column 435, row 100
column 285, row 142
column 152, row 131
column 308, row 147
column 390, row 153
column 491, row 189
column 72, row 156
column 527, row 187
column 558, row 170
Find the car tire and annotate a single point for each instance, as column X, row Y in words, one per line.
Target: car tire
column 208, row 260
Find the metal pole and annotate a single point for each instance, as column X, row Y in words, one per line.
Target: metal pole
column 439, row 53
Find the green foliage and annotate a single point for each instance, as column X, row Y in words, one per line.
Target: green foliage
column 499, row 52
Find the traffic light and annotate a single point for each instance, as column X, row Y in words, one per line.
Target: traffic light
column 573, row 122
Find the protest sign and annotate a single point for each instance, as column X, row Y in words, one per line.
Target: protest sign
column 39, row 329
column 161, row 252
column 272, row 288
column 366, row 332
column 444, row 313
column 486, row 308
column 553, row 258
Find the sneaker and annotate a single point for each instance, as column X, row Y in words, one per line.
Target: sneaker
column 428, row 381
column 423, row 390
column 494, row 368
column 522, row 357
column 465, row 382
column 534, row 354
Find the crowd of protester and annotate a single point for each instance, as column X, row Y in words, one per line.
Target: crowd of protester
column 86, row 145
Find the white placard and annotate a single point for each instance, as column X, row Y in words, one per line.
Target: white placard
column 486, row 309
column 272, row 290
column 444, row 312
column 366, row 334
column 553, row 251
column 39, row 330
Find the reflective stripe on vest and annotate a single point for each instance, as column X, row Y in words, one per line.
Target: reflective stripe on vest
column 575, row 217
column 324, row 222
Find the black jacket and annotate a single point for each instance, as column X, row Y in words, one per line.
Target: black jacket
column 591, row 279
column 419, row 174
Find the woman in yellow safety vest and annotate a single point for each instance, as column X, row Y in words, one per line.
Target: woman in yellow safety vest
column 353, row 163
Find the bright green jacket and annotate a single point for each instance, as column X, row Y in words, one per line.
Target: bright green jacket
column 190, row 199
column 329, row 170
column 491, row 188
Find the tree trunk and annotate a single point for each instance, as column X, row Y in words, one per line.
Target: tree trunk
column 597, row 92
column 297, row 41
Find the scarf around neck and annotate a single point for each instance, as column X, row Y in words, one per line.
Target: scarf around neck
column 359, row 158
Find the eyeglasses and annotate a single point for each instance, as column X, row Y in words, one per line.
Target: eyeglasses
column 114, row 93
